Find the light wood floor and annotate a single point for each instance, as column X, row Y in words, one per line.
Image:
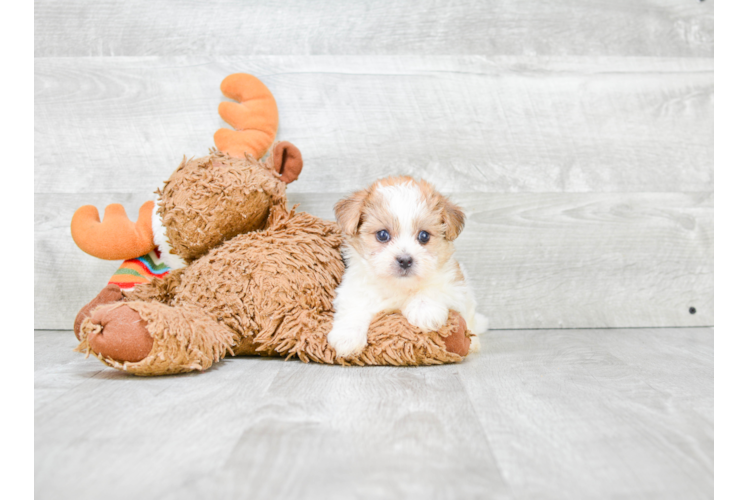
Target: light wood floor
column 537, row 414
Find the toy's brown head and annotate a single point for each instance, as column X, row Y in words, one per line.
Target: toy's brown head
column 206, row 200
column 209, row 200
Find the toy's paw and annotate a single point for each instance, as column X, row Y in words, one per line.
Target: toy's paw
column 458, row 342
column 110, row 293
column 426, row 314
column 347, row 341
column 118, row 333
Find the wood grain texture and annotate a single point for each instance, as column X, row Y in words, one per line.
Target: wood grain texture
column 543, row 260
column 567, row 412
column 472, row 123
column 234, row 27
column 386, row 425
column 536, row 414
column 579, row 135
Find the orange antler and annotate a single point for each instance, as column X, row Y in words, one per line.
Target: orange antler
column 117, row 237
column 255, row 117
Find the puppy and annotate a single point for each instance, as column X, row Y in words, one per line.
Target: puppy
column 398, row 249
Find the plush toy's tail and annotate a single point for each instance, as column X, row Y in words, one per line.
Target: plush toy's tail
column 255, row 117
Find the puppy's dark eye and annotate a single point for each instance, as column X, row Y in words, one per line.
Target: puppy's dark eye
column 423, row 237
column 383, row 235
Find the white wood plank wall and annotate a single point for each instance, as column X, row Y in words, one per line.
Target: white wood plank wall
column 681, row 28
column 578, row 135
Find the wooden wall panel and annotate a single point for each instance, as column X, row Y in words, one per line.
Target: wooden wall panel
column 682, row 28
column 579, row 135
column 565, row 124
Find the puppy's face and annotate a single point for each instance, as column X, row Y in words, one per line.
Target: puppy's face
column 401, row 227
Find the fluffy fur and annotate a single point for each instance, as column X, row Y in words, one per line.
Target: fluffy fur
column 421, row 279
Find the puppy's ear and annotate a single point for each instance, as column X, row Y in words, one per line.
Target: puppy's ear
column 348, row 212
column 454, row 220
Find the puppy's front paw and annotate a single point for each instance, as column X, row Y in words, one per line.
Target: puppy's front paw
column 347, row 341
column 426, row 314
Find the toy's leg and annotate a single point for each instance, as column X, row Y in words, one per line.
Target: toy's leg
column 150, row 338
column 110, row 293
column 118, row 333
column 156, row 290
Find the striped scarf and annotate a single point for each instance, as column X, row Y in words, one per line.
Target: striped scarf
column 141, row 270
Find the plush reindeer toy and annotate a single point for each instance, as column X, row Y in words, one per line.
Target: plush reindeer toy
column 218, row 265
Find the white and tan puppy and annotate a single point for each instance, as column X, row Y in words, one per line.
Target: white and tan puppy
column 398, row 250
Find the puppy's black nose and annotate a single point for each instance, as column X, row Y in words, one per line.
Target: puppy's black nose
column 405, row 261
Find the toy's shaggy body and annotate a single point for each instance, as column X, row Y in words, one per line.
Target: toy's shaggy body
column 248, row 275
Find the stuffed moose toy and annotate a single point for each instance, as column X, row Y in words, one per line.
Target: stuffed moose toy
column 218, row 265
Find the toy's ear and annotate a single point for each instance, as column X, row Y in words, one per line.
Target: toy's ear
column 287, row 161
column 348, row 212
column 454, row 220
